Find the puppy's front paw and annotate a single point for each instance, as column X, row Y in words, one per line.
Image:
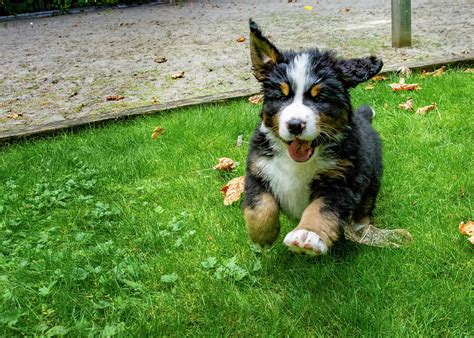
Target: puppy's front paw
column 305, row 241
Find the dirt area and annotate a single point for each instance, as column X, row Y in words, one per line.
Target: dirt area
column 63, row 68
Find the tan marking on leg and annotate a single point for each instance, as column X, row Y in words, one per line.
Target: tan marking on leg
column 263, row 221
column 324, row 223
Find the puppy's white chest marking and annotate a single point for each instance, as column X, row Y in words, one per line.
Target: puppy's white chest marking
column 290, row 181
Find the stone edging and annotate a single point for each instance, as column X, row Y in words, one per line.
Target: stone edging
column 57, row 12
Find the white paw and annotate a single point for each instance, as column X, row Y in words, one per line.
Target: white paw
column 305, row 241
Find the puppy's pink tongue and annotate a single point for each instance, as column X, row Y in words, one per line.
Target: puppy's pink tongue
column 300, row 151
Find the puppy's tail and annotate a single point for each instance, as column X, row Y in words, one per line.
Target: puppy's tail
column 366, row 112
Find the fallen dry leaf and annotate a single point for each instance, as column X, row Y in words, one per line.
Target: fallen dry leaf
column 396, row 87
column 233, row 190
column 407, row 105
column 256, row 99
column 436, row 73
column 378, row 78
column 404, row 71
column 467, row 228
column 115, row 97
column 225, row 164
column 241, row 39
column 370, row 86
column 161, row 59
column 425, row 109
column 469, row 70
column 15, row 116
column 157, row 132
column 373, row 236
column 240, row 140
column 177, row 75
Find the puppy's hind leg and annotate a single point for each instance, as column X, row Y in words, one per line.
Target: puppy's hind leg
column 363, row 214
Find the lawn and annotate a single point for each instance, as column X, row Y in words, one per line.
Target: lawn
column 105, row 231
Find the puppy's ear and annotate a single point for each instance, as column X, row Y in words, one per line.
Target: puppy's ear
column 355, row 71
column 263, row 53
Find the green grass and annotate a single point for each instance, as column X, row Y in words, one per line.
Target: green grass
column 104, row 231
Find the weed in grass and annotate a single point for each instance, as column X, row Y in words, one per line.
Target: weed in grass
column 169, row 279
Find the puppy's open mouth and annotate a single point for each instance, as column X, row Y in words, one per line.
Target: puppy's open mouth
column 300, row 150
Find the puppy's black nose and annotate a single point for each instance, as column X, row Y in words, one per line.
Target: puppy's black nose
column 296, row 126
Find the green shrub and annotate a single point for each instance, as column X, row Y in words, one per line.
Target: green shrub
column 13, row 7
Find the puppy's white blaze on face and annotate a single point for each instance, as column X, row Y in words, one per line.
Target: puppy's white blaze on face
column 297, row 72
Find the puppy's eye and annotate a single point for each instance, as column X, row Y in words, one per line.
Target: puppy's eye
column 315, row 90
column 285, row 88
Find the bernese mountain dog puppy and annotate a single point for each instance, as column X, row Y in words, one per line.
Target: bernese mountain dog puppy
column 311, row 155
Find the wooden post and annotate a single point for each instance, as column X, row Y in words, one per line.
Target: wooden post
column 401, row 23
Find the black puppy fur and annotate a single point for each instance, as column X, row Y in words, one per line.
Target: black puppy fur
column 326, row 177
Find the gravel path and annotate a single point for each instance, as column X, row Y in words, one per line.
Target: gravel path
column 63, row 68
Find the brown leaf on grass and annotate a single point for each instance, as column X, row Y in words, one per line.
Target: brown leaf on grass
column 407, row 105
column 404, row 71
column 225, row 164
column 396, row 87
column 425, row 109
column 256, row 99
column 467, row 228
column 233, row 190
column 370, row 86
column 157, row 132
column 240, row 39
column 115, row 97
column 469, row 70
column 378, row 78
column 178, row 75
column 436, row 73
column 161, row 59
column 15, row 116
